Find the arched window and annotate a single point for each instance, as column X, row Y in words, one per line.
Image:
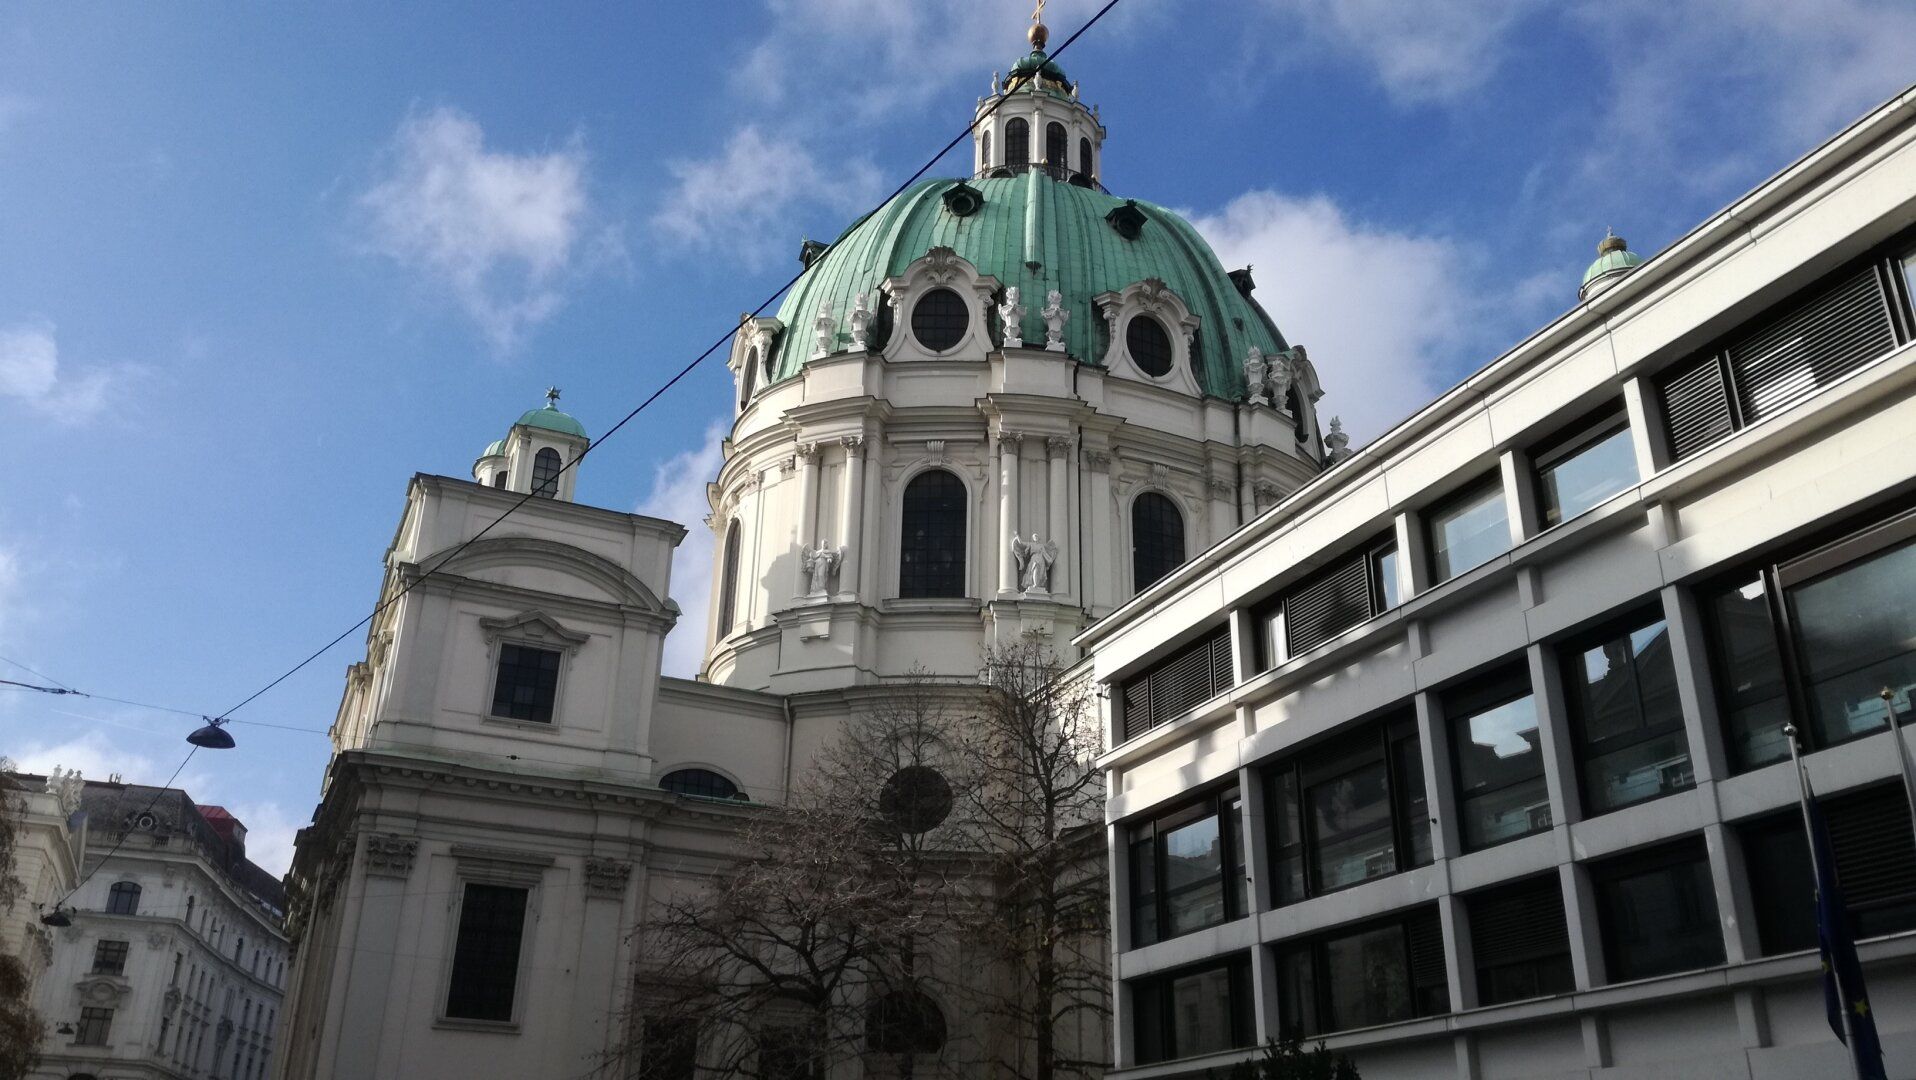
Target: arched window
column 728, row 581
column 499, row 479
column 1017, row 142
column 123, row 899
column 748, row 379
column 545, row 473
column 939, row 319
column 931, row 556
column 1056, row 146
column 984, row 151
column 701, row 782
column 1149, row 345
column 1084, row 159
column 1157, row 539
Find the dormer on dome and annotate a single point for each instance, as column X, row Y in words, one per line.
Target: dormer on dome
column 1034, row 120
column 536, row 452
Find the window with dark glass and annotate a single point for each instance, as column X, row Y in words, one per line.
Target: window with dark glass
column 109, row 958
column 939, row 319
column 668, row 1049
column 1499, row 759
column 1351, row 591
column 1467, row 530
column 527, row 683
column 728, row 581
column 499, row 479
column 1819, row 636
column 1658, row 911
column 545, row 473
column 1193, row 1011
column 1055, row 144
column 123, row 899
column 1149, row 345
column 748, row 378
column 789, row 1052
column 1348, row 811
column 1520, row 941
column 984, row 151
column 1592, row 463
column 95, row 1025
column 1781, row 357
column 1378, row 973
column 1875, row 867
column 1187, row 869
column 1017, row 142
column 485, row 959
column 1157, row 538
column 1173, row 686
column 1621, row 687
column 701, row 782
column 1084, row 159
column 931, row 558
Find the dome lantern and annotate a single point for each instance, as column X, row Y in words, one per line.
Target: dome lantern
column 1033, row 121
column 1614, row 259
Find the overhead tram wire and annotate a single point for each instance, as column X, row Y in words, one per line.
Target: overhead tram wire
column 716, row 344
column 64, row 690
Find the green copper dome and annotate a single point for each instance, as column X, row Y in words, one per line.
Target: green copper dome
column 551, row 419
column 1613, row 257
column 1040, row 64
column 496, row 448
column 1039, row 234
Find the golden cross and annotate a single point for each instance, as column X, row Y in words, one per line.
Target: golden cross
column 1037, row 13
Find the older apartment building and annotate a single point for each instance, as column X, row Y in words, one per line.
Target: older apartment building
column 1468, row 756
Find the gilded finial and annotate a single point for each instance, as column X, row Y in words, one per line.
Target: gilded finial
column 1611, row 242
column 1038, row 35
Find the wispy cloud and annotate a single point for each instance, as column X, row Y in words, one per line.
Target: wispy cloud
column 678, row 494
column 502, row 233
column 1431, row 51
column 742, row 201
column 30, row 373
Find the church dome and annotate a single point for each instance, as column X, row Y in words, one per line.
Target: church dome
column 1614, row 259
column 1039, row 234
column 551, row 419
column 496, row 448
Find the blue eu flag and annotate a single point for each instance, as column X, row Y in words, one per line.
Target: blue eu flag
column 1841, row 969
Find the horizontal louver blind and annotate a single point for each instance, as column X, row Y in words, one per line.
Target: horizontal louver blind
column 1786, row 359
column 1696, row 407
column 1875, row 857
column 1425, row 931
column 1521, row 923
column 1194, row 674
column 1327, row 607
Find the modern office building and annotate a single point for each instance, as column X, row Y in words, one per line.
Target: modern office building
column 1468, row 757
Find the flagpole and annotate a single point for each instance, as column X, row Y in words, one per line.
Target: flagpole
column 1809, row 841
column 1902, row 754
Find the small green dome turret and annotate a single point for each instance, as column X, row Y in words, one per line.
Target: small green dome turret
column 1614, row 259
column 496, row 448
column 551, row 419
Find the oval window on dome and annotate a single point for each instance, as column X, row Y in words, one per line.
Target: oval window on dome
column 939, row 319
column 1149, row 345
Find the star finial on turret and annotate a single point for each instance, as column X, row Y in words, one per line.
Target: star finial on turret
column 552, row 397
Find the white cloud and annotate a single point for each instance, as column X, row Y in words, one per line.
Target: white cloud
column 500, row 232
column 1433, row 50
column 678, row 494
column 742, row 200
column 1386, row 315
column 30, row 373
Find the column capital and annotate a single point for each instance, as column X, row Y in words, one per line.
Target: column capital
column 851, row 442
column 1059, row 443
column 808, row 451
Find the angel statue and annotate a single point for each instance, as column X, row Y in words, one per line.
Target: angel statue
column 1012, row 314
column 821, row 563
column 1034, row 557
column 1254, row 375
column 1055, row 316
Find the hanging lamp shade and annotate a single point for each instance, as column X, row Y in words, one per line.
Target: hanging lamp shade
column 212, row 736
column 56, row 918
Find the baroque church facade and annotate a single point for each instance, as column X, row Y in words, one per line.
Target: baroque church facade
column 992, row 411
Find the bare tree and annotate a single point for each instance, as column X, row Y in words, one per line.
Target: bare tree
column 20, row 1026
column 1033, row 800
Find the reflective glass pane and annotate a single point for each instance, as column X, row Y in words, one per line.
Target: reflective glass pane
column 1588, row 477
column 1749, row 673
column 1500, row 787
column 1387, row 576
column 1637, row 772
column 1856, row 634
column 1468, row 533
column 1350, row 821
column 1411, row 801
column 1144, row 892
column 1193, row 876
column 1296, row 992
column 1369, row 977
column 1631, row 743
column 1661, row 920
column 1201, row 1012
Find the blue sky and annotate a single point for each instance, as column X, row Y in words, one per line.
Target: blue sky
column 259, row 265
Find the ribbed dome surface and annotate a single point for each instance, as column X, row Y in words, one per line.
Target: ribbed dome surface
column 1061, row 228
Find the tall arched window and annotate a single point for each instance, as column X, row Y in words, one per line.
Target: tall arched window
column 545, row 473
column 1084, row 159
column 931, row 557
column 123, row 899
column 728, row 582
column 1017, row 142
column 1057, row 146
column 1157, row 539
column 984, row 152
column 748, row 379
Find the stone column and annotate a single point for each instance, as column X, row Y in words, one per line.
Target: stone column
column 1058, row 502
column 851, row 515
column 807, row 512
column 1008, row 445
column 1097, row 573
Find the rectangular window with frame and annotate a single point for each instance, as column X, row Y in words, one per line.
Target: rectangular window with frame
column 1381, row 972
column 668, row 1049
column 1593, row 461
column 485, row 962
column 1819, row 636
column 1520, row 941
column 1783, row 356
column 1346, row 594
column 1657, row 909
column 1194, row 1011
column 96, row 1026
column 1180, row 682
column 1498, row 754
column 789, row 1052
column 1467, row 529
column 109, row 958
column 1620, row 683
column 527, row 683
column 1187, row 869
column 1875, row 862
column 1348, row 811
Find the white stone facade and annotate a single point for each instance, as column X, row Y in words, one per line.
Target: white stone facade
column 46, row 861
